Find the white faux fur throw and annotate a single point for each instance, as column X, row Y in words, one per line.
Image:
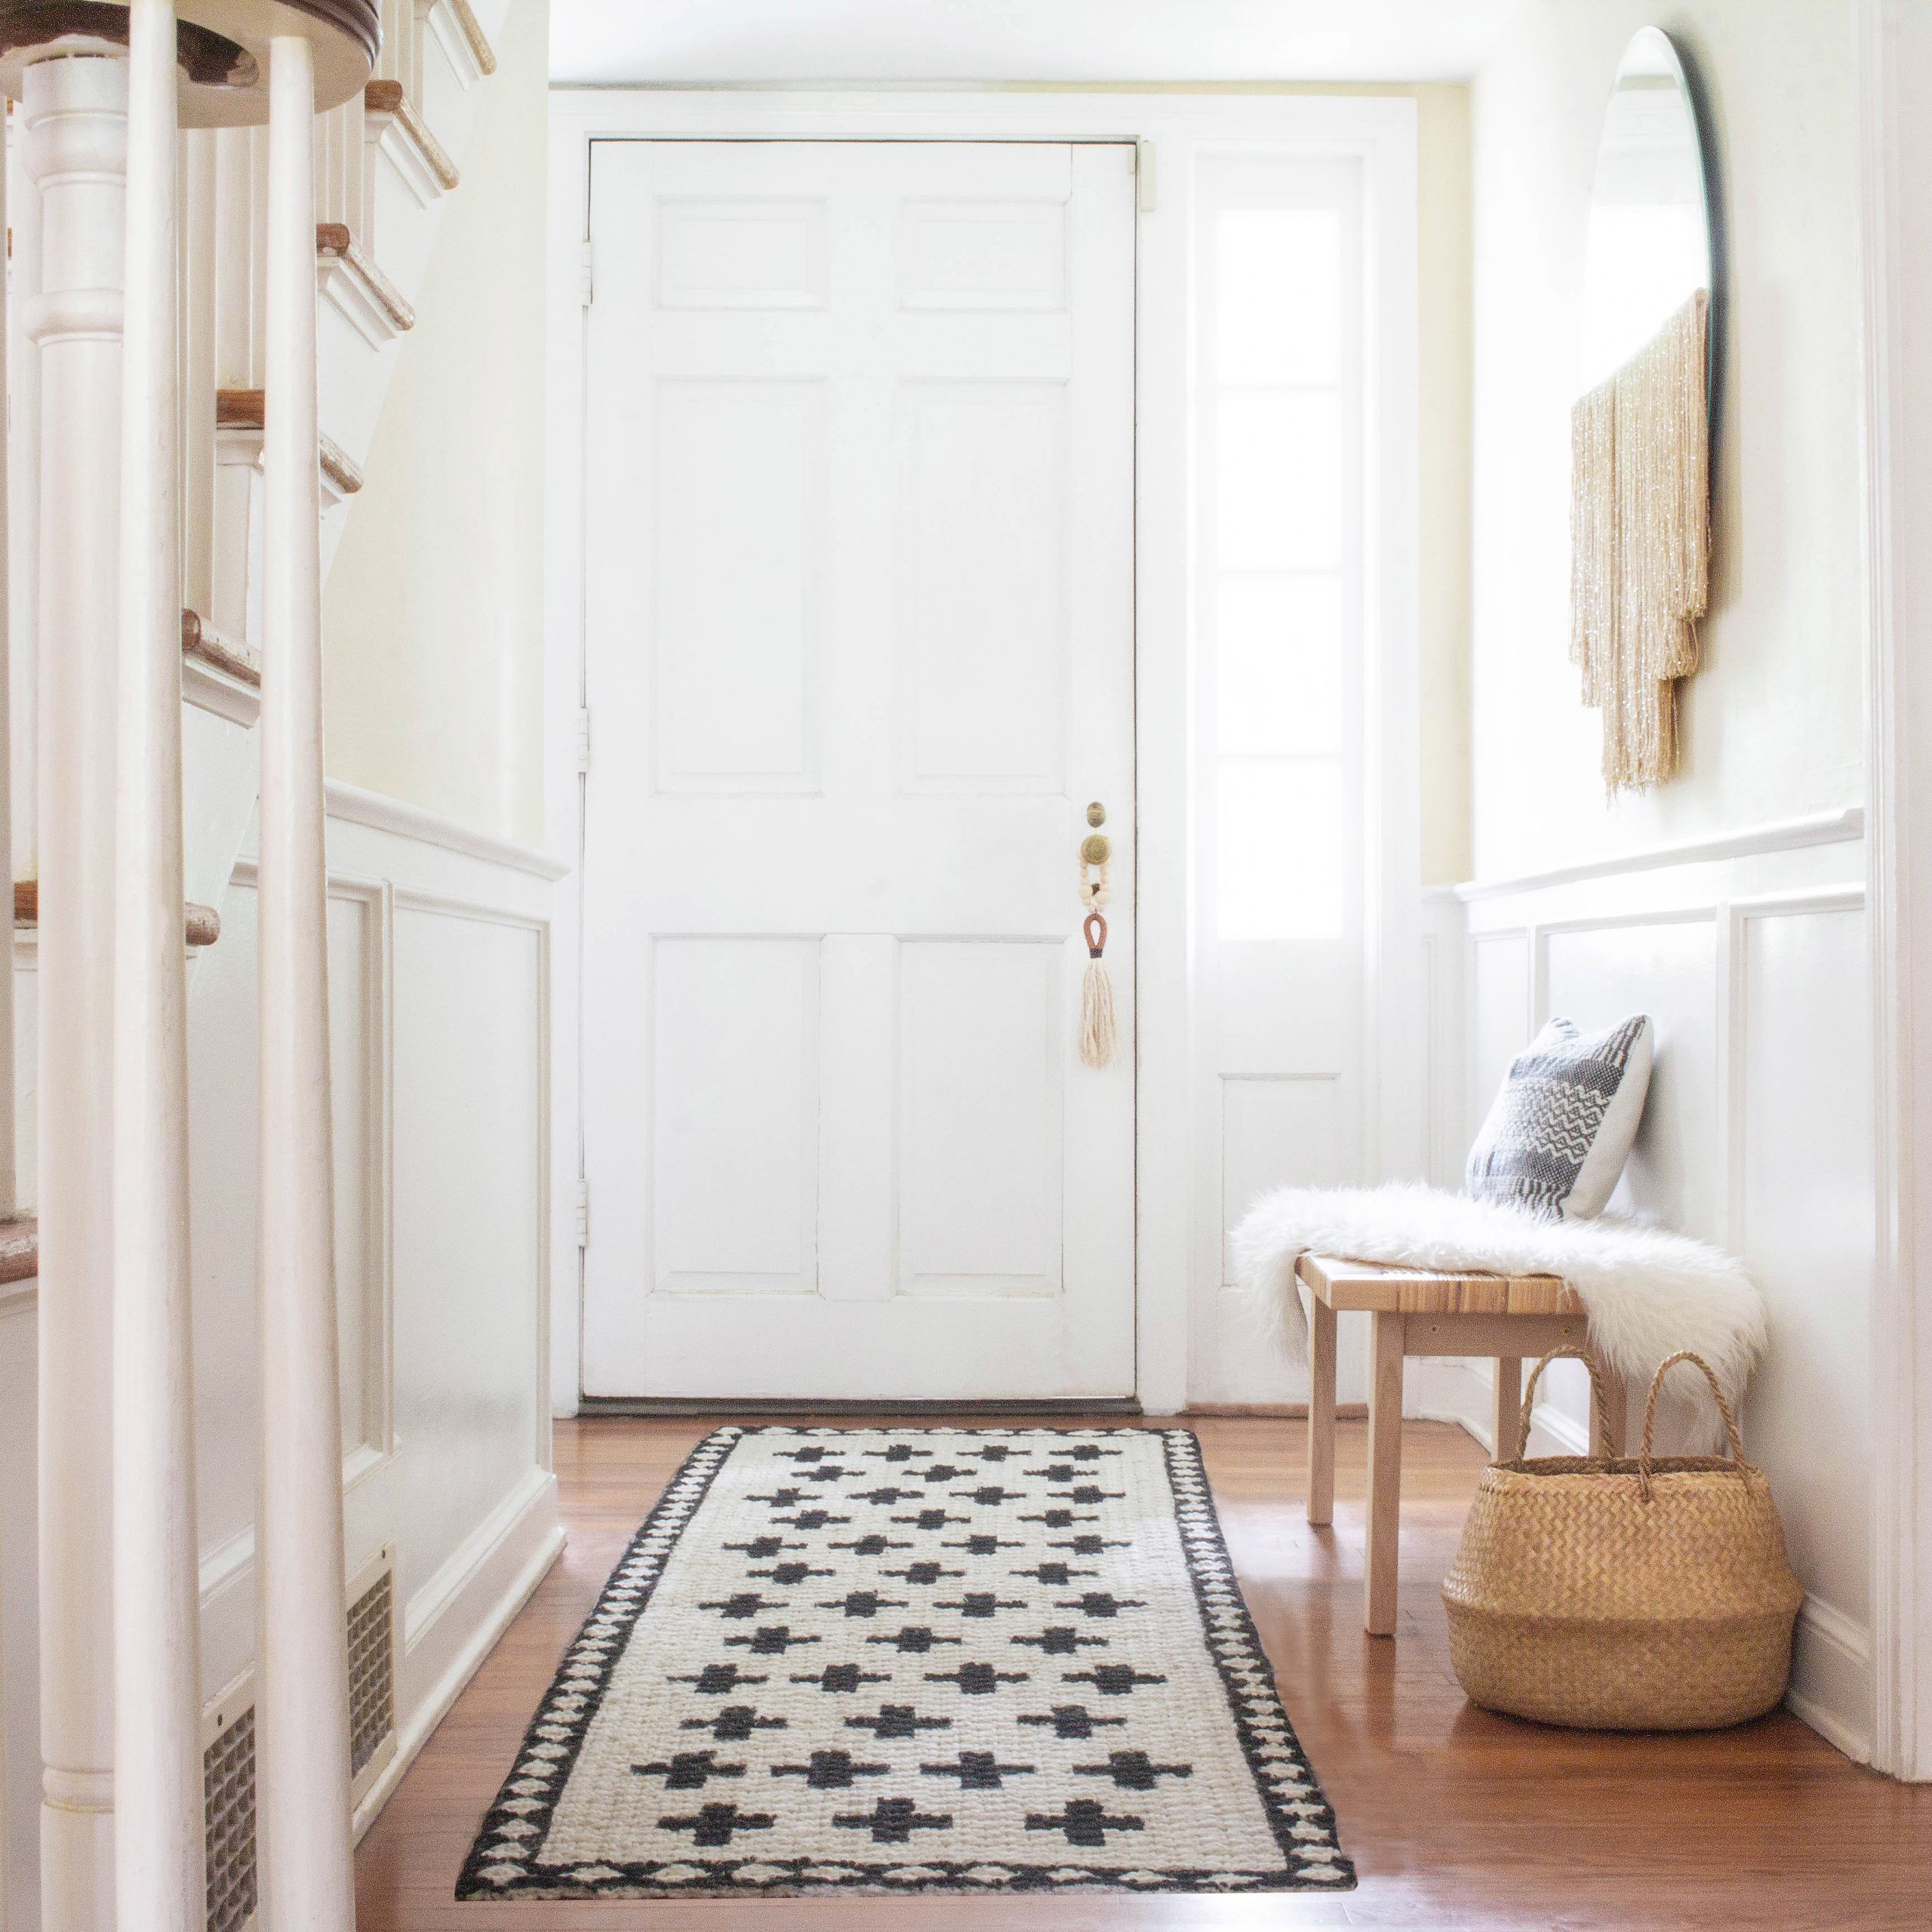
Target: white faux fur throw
column 1648, row 1292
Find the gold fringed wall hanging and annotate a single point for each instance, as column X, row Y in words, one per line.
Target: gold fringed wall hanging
column 1099, row 1033
column 1640, row 545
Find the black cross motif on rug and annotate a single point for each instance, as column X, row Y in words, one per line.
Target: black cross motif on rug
column 900, row 1720
column 893, row 1820
column 1060, row 1640
column 690, row 1770
column 1084, row 1820
column 830, row 1771
column 717, row 1680
column 876, row 1545
column 924, row 1573
column 791, row 1573
column 1113, row 1680
column 735, row 1723
column 1070, row 1720
column 982, row 1603
column 863, row 1602
column 771, row 1640
column 1101, row 1603
column 1133, row 1770
column 978, row 1770
column 976, row 1679
column 715, row 1824
column 913, row 1640
column 843, row 1677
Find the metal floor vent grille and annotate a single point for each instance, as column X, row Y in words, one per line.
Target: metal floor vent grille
column 228, row 1787
column 371, row 1670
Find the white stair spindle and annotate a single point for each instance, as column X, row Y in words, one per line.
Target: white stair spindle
column 23, row 391
column 303, row 1777
column 159, row 1849
column 9, row 1177
column 77, row 123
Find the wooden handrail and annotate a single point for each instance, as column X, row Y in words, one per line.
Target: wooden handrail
column 388, row 97
column 247, row 409
column 203, row 922
column 199, row 639
column 20, row 1249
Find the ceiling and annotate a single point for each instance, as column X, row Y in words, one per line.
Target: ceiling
column 613, row 42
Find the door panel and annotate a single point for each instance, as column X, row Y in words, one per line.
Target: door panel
column 859, row 604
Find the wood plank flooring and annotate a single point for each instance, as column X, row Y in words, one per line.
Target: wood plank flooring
column 1454, row 1818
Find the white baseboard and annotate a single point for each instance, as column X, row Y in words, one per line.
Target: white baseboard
column 1831, row 1677
column 466, row 1622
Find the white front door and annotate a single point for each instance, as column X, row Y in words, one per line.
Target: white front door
column 859, row 578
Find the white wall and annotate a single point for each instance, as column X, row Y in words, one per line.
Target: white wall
column 1753, row 954
column 432, row 616
column 1774, row 725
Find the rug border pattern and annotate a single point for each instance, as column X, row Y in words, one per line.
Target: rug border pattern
column 502, row 1862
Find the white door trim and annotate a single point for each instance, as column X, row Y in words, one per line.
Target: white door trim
column 1379, row 130
column 1896, row 234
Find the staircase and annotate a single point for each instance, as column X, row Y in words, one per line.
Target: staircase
column 211, row 538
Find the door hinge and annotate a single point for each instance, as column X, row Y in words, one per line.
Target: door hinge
column 587, row 285
column 583, row 1214
column 1143, row 183
column 583, row 739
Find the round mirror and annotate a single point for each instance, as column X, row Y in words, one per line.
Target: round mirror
column 1649, row 246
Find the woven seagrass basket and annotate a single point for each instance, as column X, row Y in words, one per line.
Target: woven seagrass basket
column 1645, row 1593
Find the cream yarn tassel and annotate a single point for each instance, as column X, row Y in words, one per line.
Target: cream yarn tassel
column 1099, row 1036
column 1100, row 1033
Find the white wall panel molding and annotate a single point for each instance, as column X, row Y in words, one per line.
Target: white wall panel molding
column 1784, row 835
column 352, row 805
column 1754, row 960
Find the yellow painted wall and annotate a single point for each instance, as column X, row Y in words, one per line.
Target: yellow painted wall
column 432, row 616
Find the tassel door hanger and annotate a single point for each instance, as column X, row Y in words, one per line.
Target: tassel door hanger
column 1099, row 1030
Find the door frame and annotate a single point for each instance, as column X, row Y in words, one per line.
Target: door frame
column 1169, row 130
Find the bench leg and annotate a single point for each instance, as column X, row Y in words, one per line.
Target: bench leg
column 1385, row 1473
column 1506, row 1418
column 1320, row 1411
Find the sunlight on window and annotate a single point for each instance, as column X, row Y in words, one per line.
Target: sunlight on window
column 1278, row 666
column 1277, row 308
column 1282, row 835
column 1278, row 458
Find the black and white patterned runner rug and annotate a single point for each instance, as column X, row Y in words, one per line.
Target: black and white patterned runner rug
column 915, row 1659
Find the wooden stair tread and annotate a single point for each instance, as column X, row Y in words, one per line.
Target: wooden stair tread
column 247, row 409
column 383, row 96
column 334, row 243
column 20, row 1249
column 204, row 922
column 199, row 639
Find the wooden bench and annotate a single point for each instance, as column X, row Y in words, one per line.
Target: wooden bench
column 1505, row 1317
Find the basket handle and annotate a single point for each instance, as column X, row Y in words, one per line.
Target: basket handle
column 1529, row 1396
column 1735, row 1441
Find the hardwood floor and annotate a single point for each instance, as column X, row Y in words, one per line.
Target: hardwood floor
column 1454, row 1818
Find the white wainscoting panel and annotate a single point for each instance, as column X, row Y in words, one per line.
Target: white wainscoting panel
column 1751, row 953
column 439, row 997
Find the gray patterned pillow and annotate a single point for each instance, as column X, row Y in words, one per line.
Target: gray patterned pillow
column 1557, row 1137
